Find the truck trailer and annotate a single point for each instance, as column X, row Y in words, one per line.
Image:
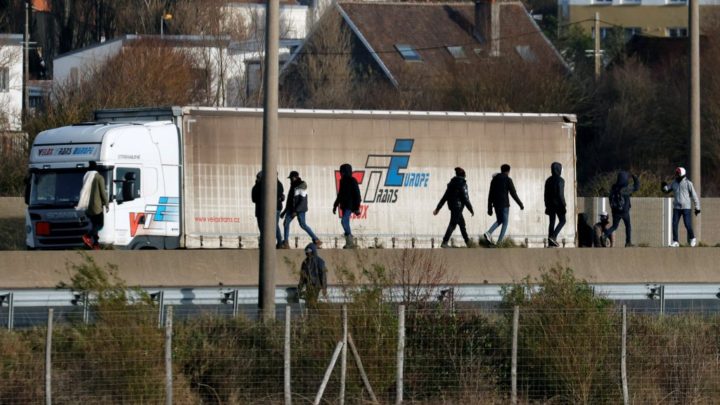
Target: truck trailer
column 181, row 177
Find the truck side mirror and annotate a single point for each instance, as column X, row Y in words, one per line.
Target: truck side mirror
column 128, row 187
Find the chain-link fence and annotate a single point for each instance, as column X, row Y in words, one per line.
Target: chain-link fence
column 386, row 354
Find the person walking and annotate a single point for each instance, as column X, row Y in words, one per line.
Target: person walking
column 297, row 206
column 313, row 277
column 457, row 198
column 620, row 204
column 555, row 206
column 93, row 198
column 500, row 186
column 599, row 239
column 258, row 200
column 684, row 196
column 348, row 199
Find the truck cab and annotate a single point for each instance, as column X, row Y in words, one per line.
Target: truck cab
column 140, row 163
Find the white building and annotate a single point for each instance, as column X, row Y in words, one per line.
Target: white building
column 234, row 62
column 11, row 82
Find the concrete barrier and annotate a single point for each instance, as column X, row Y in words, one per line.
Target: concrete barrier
column 207, row 268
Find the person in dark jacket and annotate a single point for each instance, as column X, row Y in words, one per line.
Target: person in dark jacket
column 500, row 186
column 620, row 204
column 348, row 199
column 456, row 196
column 313, row 276
column 258, row 200
column 599, row 239
column 555, row 206
column 296, row 206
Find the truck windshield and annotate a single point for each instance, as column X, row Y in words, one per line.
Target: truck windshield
column 57, row 188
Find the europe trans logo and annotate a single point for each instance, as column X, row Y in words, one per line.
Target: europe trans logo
column 166, row 210
column 384, row 178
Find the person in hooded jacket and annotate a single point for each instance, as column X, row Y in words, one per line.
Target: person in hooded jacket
column 97, row 199
column 313, row 276
column 457, row 198
column 296, row 206
column 258, row 200
column 555, row 206
column 500, row 186
column 348, row 199
column 620, row 205
column 684, row 196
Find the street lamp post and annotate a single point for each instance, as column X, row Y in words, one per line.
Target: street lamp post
column 163, row 18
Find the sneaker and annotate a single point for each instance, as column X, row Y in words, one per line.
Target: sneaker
column 552, row 242
column 693, row 242
column 318, row 243
column 87, row 240
column 488, row 238
column 675, row 244
column 444, row 245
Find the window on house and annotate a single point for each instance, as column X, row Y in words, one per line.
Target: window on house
column 526, row 53
column 253, row 77
column 602, row 1
column 604, row 32
column 457, row 52
column 676, row 32
column 408, row 52
column 631, row 32
column 4, row 79
column 677, row 1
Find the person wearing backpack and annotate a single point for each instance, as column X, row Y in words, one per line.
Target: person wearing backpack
column 620, row 204
column 684, row 196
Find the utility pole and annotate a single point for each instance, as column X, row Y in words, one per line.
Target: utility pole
column 598, row 61
column 26, row 63
column 268, row 258
column 694, row 90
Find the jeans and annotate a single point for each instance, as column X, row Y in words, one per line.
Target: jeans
column 625, row 217
column 97, row 222
column 553, row 232
column 502, row 219
column 456, row 218
column 345, row 221
column 301, row 220
column 278, row 235
column 687, row 219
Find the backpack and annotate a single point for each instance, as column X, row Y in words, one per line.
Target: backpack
column 617, row 201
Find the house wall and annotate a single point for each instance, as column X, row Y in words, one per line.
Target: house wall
column 652, row 17
column 293, row 19
column 11, row 99
column 83, row 60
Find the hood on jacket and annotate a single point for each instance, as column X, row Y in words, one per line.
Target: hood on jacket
column 346, row 170
column 457, row 181
column 556, row 169
column 311, row 247
column 623, row 179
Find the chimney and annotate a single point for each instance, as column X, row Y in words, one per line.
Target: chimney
column 487, row 24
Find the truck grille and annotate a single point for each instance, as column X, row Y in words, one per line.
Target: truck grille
column 65, row 234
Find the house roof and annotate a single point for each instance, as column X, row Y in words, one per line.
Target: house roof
column 169, row 40
column 431, row 27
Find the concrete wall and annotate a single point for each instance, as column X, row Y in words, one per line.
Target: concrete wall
column 465, row 266
column 650, row 219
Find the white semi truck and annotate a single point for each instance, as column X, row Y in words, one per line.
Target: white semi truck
column 181, row 177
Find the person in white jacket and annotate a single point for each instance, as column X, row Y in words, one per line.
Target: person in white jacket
column 684, row 196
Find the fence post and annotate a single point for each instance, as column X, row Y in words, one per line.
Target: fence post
column 623, row 357
column 86, row 308
column 48, row 358
column 161, row 305
column 400, row 354
column 513, row 370
column 329, row 370
column 288, row 392
column 11, row 311
column 343, row 355
column 168, row 357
